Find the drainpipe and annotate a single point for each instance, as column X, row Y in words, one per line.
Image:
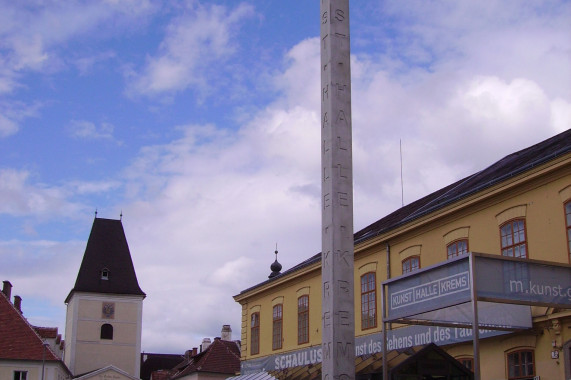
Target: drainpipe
column 388, row 260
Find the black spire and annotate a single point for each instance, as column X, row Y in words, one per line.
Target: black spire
column 107, row 266
column 276, row 267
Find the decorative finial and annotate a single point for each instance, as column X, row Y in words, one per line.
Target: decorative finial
column 121, row 215
column 96, row 213
column 276, row 267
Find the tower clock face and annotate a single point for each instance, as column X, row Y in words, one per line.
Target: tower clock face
column 108, row 310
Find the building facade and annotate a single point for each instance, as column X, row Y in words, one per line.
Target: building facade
column 25, row 353
column 105, row 307
column 518, row 207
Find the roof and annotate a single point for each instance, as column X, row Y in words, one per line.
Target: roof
column 150, row 363
column 222, row 356
column 509, row 166
column 18, row 339
column 107, row 249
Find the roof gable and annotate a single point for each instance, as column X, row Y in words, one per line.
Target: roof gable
column 222, row 356
column 18, row 339
column 107, row 250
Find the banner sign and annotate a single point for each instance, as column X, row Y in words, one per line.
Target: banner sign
column 366, row 345
column 525, row 282
column 439, row 287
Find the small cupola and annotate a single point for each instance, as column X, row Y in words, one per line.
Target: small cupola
column 276, row 267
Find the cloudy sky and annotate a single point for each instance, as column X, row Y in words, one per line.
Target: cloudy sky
column 199, row 121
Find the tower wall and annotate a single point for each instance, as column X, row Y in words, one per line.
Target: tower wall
column 86, row 350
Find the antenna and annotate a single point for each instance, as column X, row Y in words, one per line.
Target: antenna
column 401, row 181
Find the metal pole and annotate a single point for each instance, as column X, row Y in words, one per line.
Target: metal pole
column 385, row 334
column 475, row 322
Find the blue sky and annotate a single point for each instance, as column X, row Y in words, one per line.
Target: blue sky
column 199, row 121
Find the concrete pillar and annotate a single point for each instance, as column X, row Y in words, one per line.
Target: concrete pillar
column 338, row 320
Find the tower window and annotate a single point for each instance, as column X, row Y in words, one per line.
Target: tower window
column 107, row 331
column 105, row 274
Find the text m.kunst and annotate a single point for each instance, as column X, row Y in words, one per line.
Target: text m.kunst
column 517, row 286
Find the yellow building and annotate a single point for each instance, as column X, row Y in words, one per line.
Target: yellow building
column 519, row 207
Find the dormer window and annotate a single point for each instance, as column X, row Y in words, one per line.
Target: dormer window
column 105, row 274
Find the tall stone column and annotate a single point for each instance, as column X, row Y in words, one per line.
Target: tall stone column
column 338, row 320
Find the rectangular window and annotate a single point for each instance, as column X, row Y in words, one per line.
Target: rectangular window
column 303, row 319
column 411, row 264
column 457, row 248
column 521, row 365
column 368, row 301
column 513, row 239
column 277, row 327
column 20, row 375
column 255, row 334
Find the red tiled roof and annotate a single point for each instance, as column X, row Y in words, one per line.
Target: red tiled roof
column 221, row 356
column 161, row 374
column 46, row 332
column 18, row 339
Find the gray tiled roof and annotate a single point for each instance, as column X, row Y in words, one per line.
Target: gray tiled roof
column 509, row 166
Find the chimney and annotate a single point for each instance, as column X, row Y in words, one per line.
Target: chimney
column 205, row 344
column 7, row 289
column 194, row 351
column 226, row 333
column 18, row 303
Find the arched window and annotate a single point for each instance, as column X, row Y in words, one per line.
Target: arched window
column 255, row 334
column 277, row 327
column 521, row 365
column 457, row 248
column 303, row 319
column 513, row 238
column 105, row 274
column 107, row 331
column 410, row 264
column 467, row 362
column 368, row 301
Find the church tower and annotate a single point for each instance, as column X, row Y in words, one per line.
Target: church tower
column 105, row 307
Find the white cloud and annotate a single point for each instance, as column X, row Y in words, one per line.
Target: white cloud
column 199, row 40
column 7, row 127
column 83, row 129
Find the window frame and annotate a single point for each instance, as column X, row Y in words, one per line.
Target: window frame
column 277, row 326
column 365, row 311
column 20, row 375
column 514, row 245
column 410, row 260
column 455, row 244
column 106, row 332
column 303, row 315
column 467, row 359
column 255, row 333
column 519, row 352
